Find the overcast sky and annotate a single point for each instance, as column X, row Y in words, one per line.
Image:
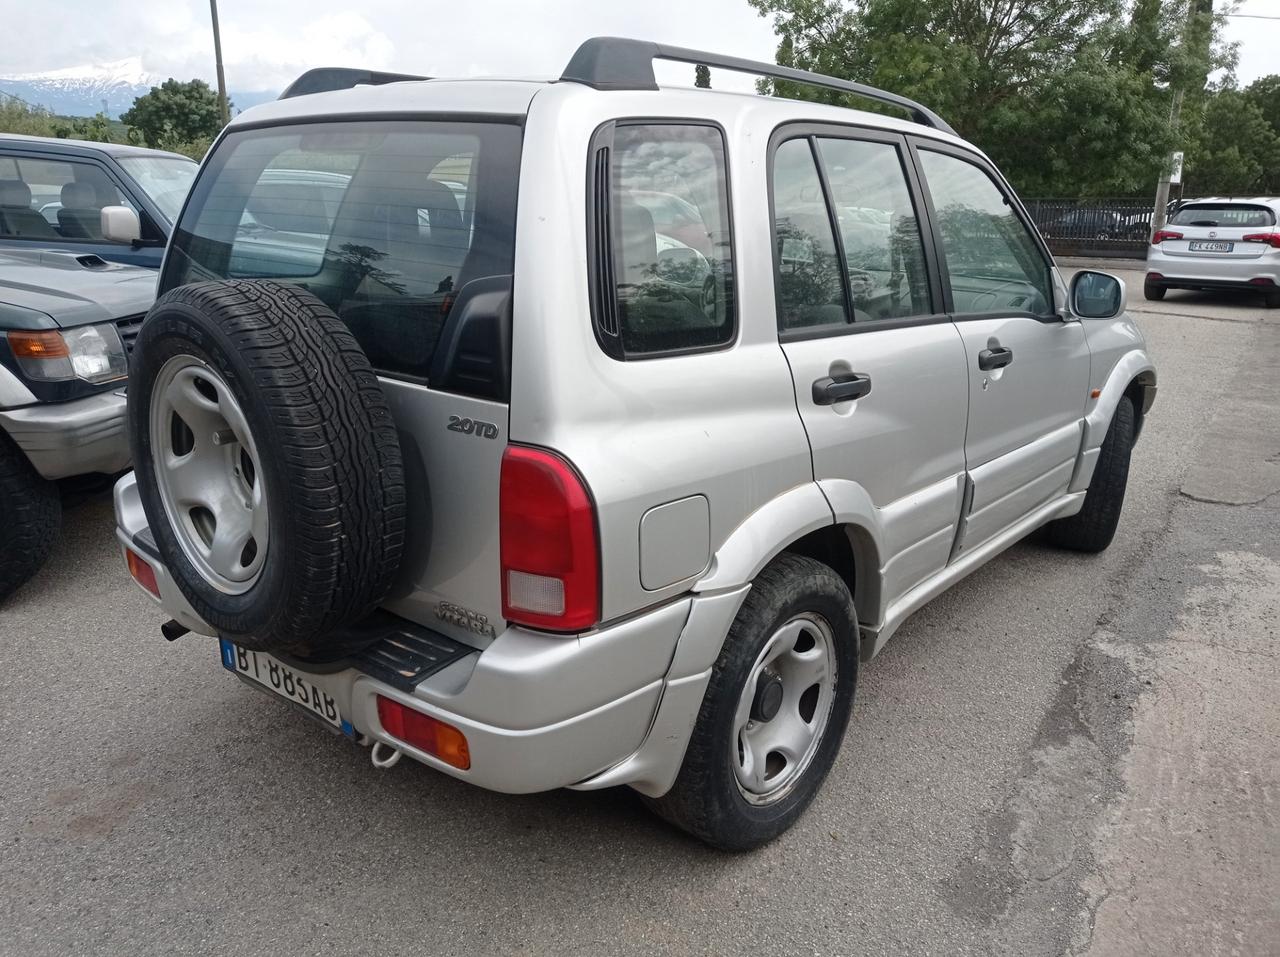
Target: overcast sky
column 266, row 43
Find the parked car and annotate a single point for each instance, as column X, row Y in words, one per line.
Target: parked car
column 1093, row 223
column 1218, row 244
column 560, row 501
column 52, row 193
column 67, row 322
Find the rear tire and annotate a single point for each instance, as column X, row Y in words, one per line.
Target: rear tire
column 1153, row 292
column 30, row 515
column 1271, row 298
column 288, row 417
column 1094, row 526
column 709, row 799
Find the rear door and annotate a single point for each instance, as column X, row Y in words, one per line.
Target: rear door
column 1028, row 367
column 878, row 369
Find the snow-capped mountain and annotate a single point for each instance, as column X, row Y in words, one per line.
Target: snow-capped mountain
column 81, row 90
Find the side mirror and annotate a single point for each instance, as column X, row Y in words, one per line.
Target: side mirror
column 120, row 225
column 1097, row 295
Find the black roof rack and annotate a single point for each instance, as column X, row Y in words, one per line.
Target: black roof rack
column 615, row 63
column 326, row 78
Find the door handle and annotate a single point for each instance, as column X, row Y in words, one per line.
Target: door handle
column 841, row 388
column 997, row 358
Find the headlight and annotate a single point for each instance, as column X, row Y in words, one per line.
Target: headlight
column 92, row 353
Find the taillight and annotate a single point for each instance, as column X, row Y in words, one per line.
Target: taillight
column 424, row 733
column 550, row 554
column 1271, row 239
column 1163, row 234
column 141, row 571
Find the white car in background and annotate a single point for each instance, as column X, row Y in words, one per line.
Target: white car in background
column 1218, row 244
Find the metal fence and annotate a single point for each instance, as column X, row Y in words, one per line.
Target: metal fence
column 1110, row 226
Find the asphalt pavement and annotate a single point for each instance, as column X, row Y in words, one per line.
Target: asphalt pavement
column 1062, row 754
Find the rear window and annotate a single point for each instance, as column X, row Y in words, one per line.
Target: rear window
column 386, row 222
column 1223, row 214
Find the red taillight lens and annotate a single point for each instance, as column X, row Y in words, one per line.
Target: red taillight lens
column 142, row 572
column 1271, row 239
column 550, row 555
column 424, row 733
column 1163, row 234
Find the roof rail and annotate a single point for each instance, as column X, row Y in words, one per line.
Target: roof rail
column 327, row 78
column 616, row 63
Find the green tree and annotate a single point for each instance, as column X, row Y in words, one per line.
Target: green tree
column 19, row 117
column 1233, row 149
column 702, row 76
column 1069, row 97
column 1264, row 93
column 175, row 112
column 97, row 128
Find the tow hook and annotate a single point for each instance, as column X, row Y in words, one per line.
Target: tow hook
column 173, row 630
column 389, row 761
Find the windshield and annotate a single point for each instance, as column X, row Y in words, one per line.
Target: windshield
column 1223, row 214
column 166, row 179
column 385, row 221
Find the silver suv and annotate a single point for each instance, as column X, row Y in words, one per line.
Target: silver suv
column 591, row 433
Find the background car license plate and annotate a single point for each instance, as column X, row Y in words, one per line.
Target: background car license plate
column 1204, row 246
column 283, row 680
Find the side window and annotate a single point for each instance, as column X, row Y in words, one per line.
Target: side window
column 662, row 262
column 879, row 230
column 993, row 262
column 810, row 286
column 53, row 199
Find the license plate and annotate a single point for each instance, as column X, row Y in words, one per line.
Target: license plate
column 1204, row 246
column 282, row 680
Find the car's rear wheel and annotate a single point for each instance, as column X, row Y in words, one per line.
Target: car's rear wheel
column 774, row 712
column 268, row 463
column 30, row 513
column 1153, row 292
column 1094, row 526
column 1271, row 298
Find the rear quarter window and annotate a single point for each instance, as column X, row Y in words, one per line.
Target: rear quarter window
column 387, row 222
column 661, row 254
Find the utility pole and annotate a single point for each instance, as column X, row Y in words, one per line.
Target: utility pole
column 223, row 109
column 1198, row 33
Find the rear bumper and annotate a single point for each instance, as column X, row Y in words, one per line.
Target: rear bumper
column 609, row 707
column 72, row 438
column 1200, row 271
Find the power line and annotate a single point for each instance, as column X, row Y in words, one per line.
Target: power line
column 1249, row 16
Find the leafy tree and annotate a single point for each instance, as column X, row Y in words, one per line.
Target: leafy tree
column 702, row 76
column 94, row 128
column 175, row 112
column 1235, row 150
column 19, row 117
column 1068, row 97
column 1264, row 93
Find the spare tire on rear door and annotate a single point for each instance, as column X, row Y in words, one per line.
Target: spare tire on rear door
column 268, row 463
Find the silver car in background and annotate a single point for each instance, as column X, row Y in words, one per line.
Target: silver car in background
column 1218, row 244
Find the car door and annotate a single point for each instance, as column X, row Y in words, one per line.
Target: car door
column 878, row 369
column 1028, row 365
column 33, row 214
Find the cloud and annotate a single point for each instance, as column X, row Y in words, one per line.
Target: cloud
column 267, row 44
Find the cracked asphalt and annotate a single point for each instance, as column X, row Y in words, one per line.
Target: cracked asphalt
column 1062, row 755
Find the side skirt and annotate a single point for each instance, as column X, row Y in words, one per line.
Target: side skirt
column 873, row 639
